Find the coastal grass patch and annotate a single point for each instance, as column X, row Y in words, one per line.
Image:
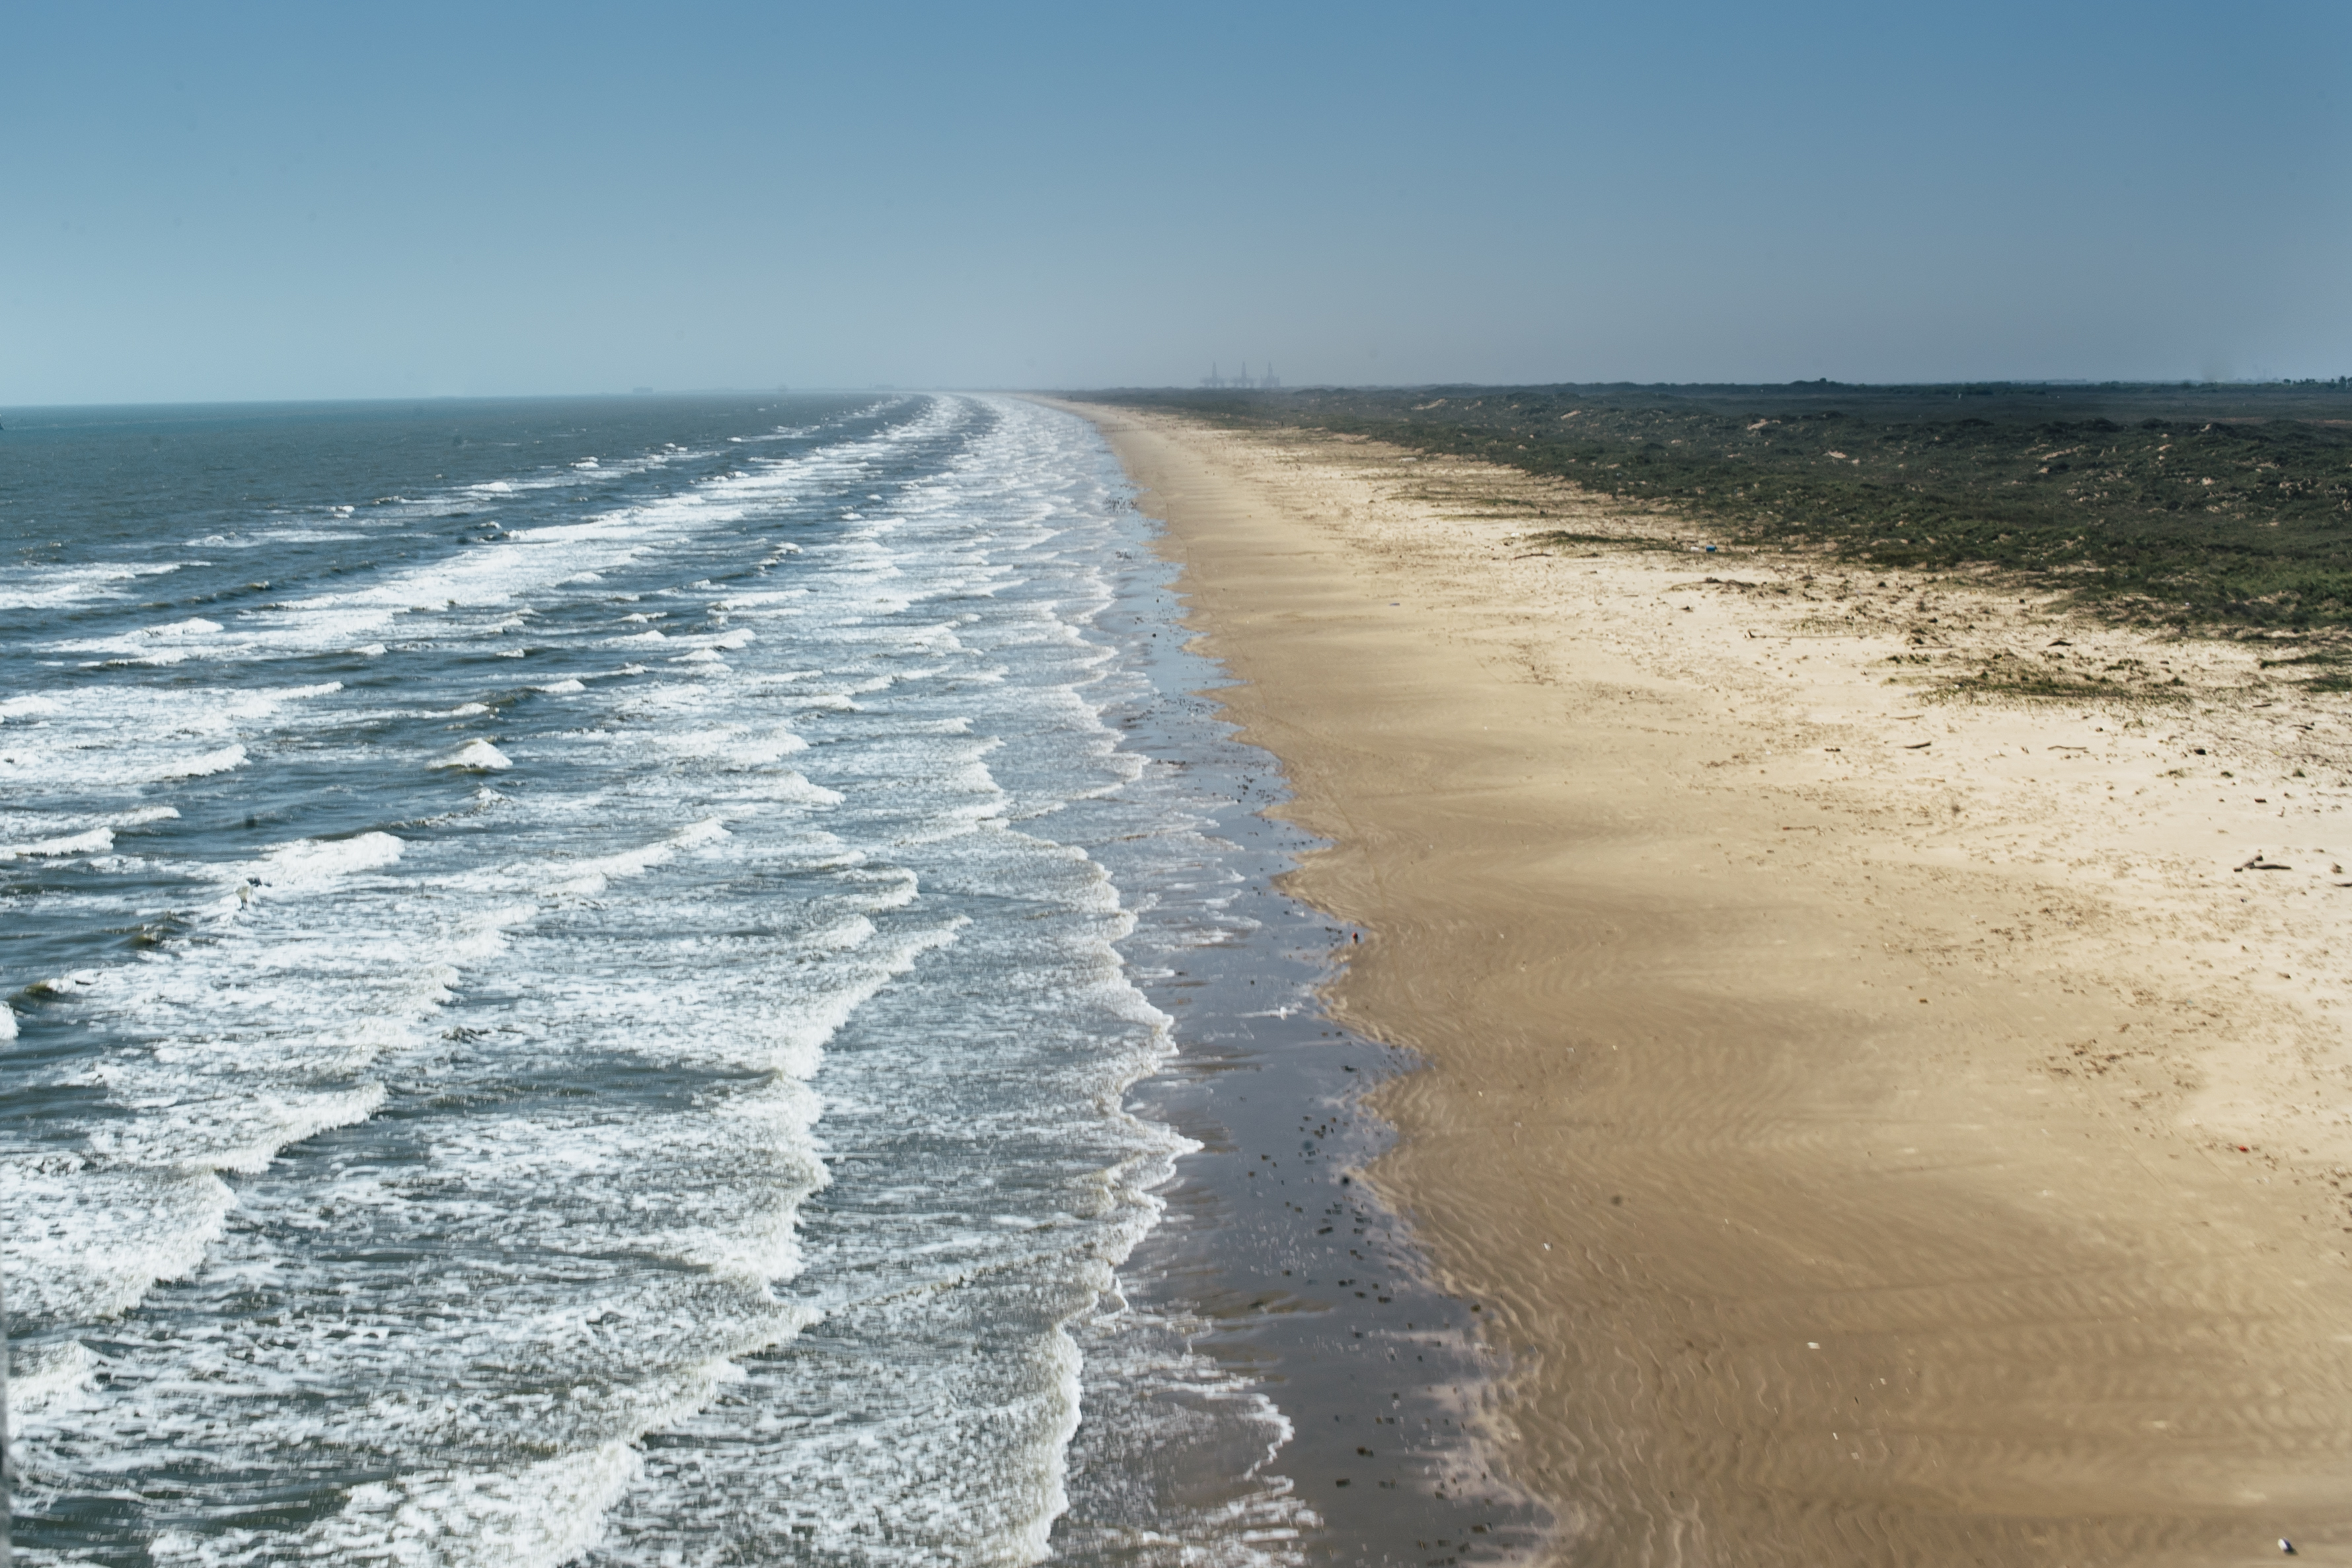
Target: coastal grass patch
column 2326, row 667
column 2014, row 676
column 1564, row 537
column 2196, row 507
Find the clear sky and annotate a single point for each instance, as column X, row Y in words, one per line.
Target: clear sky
column 243, row 202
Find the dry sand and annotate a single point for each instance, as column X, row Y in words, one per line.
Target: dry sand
column 1837, row 1085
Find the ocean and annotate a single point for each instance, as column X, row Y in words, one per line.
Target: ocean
column 647, row 981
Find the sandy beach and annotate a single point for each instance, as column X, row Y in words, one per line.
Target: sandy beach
column 1877, row 1120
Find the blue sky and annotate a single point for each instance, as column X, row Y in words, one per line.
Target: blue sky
column 247, row 202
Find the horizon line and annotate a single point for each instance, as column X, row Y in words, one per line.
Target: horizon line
column 2072, row 384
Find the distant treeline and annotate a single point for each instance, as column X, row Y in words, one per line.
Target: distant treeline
column 2194, row 504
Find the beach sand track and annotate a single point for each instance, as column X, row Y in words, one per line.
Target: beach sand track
column 1838, row 1069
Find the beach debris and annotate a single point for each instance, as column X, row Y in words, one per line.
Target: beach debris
column 1918, row 745
column 2256, row 862
column 2286, row 1546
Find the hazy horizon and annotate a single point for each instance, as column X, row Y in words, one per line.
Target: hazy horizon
column 132, row 406
column 280, row 205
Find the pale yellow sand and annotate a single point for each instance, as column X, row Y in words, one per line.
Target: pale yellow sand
column 1840, row 1131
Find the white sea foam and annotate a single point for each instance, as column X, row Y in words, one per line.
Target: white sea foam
column 94, row 840
column 540, row 1516
column 311, row 864
column 586, row 878
column 479, row 756
column 203, row 762
column 111, row 740
column 524, row 1100
column 56, row 587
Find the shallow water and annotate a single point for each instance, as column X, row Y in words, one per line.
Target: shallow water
column 608, row 981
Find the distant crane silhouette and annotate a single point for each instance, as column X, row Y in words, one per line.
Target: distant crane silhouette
column 1244, row 382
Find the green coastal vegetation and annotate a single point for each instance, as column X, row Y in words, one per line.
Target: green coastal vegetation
column 2215, row 507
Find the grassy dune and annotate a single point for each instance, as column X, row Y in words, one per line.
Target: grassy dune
column 2212, row 506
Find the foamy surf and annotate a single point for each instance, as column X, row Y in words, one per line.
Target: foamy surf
column 705, row 1144
column 476, row 756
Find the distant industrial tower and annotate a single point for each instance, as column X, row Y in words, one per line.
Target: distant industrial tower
column 1267, row 383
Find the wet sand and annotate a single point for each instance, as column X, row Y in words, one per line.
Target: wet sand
column 1878, row 1125
column 1273, row 1258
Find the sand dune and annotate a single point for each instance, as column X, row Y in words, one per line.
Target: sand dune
column 1877, row 1121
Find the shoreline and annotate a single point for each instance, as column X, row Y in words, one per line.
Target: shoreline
column 1836, row 1125
column 1270, row 1257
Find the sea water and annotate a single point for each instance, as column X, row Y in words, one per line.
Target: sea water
column 567, row 999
